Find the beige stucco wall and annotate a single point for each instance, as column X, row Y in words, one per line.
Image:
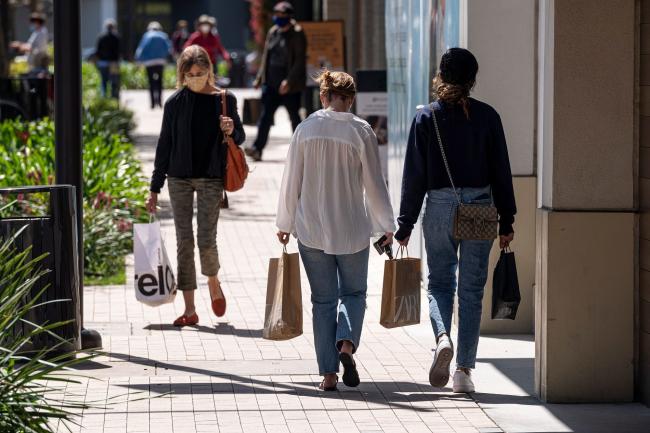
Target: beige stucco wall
column 586, row 237
column 585, row 318
column 501, row 34
column 592, row 135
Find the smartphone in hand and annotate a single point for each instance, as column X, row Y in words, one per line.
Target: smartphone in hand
column 388, row 249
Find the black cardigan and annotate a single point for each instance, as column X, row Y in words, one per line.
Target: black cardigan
column 477, row 155
column 174, row 149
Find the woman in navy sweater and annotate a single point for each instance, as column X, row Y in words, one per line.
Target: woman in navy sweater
column 475, row 146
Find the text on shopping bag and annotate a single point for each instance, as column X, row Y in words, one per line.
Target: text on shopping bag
column 149, row 284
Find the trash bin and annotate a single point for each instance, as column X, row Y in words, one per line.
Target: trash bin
column 56, row 235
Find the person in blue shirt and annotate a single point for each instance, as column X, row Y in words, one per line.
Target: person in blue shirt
column 474, row 143
column 153, row 51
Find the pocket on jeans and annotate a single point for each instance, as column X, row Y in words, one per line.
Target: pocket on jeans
column 438, row 216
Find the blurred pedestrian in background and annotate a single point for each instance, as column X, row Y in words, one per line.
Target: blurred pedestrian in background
column 209, row 41
column 282, row 74
column 36, row 45
column 180, row 36
column 153, row 52
column 108, row 58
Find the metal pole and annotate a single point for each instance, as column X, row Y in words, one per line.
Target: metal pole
column 68, row 124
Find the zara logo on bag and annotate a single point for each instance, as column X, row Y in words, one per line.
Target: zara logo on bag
column 408, row 308
column 148, row 284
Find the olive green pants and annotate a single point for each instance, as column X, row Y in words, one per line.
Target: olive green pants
column 208, row 199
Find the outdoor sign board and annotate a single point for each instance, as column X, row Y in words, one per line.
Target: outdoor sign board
column 325, row 47
column 372, row 105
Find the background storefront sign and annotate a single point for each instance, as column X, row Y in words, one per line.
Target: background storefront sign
column 325, row 47
column 372, row 105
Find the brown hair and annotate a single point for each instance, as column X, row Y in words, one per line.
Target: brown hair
column 337, row 83
column 453, row 93
column 193, row 55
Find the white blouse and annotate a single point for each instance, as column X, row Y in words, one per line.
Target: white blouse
column 332, row 159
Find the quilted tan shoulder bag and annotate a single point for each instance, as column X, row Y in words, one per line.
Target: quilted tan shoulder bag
column 472, row 221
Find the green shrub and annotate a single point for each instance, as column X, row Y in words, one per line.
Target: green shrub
column 106, row 115
column 90, row 83
column 132, row 76
column 114, row 189
column 27, row 394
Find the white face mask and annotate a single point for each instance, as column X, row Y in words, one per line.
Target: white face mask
column 196, row 84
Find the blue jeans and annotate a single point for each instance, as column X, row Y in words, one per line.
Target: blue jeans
column 443, row 261
column 338, row 295
column 108, row 77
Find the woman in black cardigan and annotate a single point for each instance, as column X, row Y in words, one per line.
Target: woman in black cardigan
column 192, row 157
column 475, row 148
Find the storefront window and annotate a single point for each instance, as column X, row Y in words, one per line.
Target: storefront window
column 417, row 34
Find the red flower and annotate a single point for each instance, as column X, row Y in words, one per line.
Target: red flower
column 124, row 225
column 23, row 136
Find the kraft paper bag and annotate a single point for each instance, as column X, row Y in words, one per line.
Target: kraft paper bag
column 154, row 282
column 283, row 317
column 400, row 298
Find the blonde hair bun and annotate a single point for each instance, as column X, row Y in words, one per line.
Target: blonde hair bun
column 336, row 82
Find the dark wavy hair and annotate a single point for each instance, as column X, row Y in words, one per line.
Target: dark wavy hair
column 456, row 77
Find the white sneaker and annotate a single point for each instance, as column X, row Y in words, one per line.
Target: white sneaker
column 463, row 382
column 439, row 372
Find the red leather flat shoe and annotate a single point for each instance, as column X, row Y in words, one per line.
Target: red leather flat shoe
column 187, row 320
column 219, row 306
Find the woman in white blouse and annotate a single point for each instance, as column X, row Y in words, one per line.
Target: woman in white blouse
column 333, row 159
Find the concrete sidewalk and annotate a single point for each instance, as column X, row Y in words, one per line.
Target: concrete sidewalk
column 221, row 376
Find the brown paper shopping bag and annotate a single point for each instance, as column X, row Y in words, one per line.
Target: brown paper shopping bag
column 400, row 298
column 283, row 317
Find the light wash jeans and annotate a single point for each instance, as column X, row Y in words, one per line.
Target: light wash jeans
column 443, row 261
column 338, row 295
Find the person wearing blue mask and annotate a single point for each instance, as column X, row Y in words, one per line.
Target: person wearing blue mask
column 282, row 74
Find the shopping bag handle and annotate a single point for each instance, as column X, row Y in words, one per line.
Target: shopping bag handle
column 400, row 251
column 284, row 248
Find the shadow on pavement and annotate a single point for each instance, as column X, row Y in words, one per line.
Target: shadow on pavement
column 534, row 415
column 400, row 395
column 219, row 329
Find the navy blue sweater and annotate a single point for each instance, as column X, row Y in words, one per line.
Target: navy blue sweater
column 477, row 155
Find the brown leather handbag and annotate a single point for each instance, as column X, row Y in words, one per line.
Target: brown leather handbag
column 236, row 165
column 472, row 221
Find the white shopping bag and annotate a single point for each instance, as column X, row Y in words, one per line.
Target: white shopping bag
column 154, row 278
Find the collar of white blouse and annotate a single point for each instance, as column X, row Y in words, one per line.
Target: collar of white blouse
column 337, row 115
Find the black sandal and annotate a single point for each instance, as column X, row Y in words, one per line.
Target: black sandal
column 350, row 373
column 322, row 386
